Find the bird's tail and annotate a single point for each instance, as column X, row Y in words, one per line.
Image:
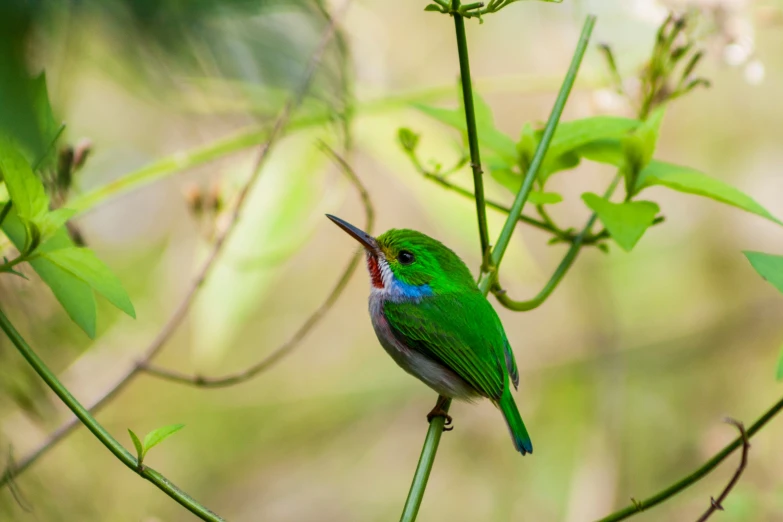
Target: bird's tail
column 515, row 425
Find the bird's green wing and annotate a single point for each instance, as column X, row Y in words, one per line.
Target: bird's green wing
column 461, row 331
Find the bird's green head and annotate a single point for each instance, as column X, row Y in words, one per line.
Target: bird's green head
column 410, row 262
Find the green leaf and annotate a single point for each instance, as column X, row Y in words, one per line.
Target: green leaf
column 75, row 296
column 571, row 136
column 409, row 140
column 513, row 182
column 32, row 237
column 24, row 187
column 84, row 264
column 691, row 181
column 488, row 135
column 626, row 222
column 779, row 374
column 157, row 436
column 769, row 267
column 47, row 125
column 603, row 151
column 432, row 7
column 544, row 198
column 53, row 221
column 137, row 444
column 648, row 133
column 638, row 149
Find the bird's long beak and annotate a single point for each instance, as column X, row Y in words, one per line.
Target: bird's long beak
column 362, row 237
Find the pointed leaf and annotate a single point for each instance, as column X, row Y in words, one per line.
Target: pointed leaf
column 408, row 139
column 48, row 127
column 75, row 296
column 24, row 187
column 638, row 149
column 488, row 135
column 52, row 221
column 137, row 444
column 691, row 181
column 769, row 267
column 626, row 222
column 157, row 436
column 84, row 264
column 648, row 133
column 544, row 198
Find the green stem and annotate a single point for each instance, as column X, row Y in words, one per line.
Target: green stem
column 642, row 505
column 435, row 430
column 99, row 431
column 7, row 267
column 543, row 146
column 4, row 212
column 423, row 468
column 470, row 120
column 562, row 268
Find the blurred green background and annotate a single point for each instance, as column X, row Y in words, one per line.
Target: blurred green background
column 626, row 372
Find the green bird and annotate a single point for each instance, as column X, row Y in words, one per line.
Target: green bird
column 432, row 319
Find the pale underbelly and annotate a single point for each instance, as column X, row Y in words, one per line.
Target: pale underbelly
column 432, row 373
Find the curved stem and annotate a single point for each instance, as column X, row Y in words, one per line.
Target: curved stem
column 641, row 505
column 250, row 372
column 435, row 429
column 99, row 431
column 470, row 120
column 562, row 268
column 717, row 504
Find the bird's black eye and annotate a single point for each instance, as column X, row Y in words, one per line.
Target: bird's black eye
column 405, row 257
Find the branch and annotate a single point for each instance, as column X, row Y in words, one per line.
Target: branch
column 99, row 431
column 181, row 311
column 470, row 120
column 252, row 371
column 717, row 505
column 432, row 439
column 639, row 506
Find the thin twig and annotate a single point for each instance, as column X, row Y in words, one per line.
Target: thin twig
column 182, row 309
column 637, row 506
column 252, row 371
column 16, row 492
column 717, row 505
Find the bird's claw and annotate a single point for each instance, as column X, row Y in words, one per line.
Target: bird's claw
column 437, row 412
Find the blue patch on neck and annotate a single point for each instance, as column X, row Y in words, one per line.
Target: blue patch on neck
column 406, row 291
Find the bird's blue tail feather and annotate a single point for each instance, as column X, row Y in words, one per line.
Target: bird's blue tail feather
column 515, row 425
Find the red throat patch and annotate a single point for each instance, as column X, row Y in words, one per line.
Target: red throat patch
column 375, row 271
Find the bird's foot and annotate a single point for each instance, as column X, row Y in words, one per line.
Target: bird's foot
column 438, row 412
